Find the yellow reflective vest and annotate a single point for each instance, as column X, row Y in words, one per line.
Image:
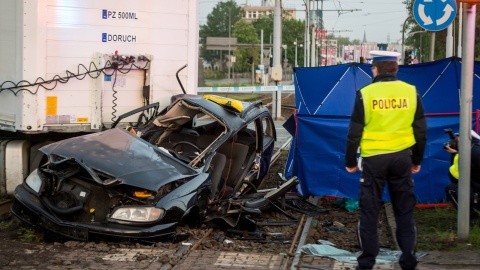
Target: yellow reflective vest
column 390, row 108
column 454, row 168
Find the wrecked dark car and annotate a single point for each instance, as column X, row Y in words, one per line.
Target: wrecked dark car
column 199, row 159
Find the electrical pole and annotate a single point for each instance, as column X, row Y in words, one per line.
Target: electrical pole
column 229, row 56
column 320, row 23
column 277, row 42
column 306, row 52
column 277, row 53
column 310, row 51
column 466, row 96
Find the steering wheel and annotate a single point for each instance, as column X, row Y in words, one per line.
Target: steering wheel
column 182, row 156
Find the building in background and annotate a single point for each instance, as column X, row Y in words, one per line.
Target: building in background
column 353, row 53
column 251, row 13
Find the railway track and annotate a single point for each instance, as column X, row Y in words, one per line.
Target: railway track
column 202, row 238
column 288, row 107
column 5, row 206
column 293, row 242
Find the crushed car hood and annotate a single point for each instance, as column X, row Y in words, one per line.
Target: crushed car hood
column 123, row 156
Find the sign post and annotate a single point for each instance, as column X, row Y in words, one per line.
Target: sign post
column 466, row 96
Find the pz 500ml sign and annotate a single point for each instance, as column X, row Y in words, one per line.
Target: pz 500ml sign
column 121, row 15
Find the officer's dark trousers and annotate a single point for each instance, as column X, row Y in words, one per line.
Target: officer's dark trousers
column 395, row 169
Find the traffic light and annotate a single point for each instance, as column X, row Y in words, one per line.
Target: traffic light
column 362, row 60
column 408, row 57
column 250, row 59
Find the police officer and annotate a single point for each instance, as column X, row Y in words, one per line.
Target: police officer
column 389, row 125
column 451, row 190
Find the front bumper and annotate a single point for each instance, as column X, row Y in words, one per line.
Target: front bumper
column 28, row 208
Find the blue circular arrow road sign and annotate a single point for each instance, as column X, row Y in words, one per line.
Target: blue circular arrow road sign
column 434, row 15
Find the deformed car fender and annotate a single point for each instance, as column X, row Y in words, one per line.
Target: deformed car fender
column 178, row 202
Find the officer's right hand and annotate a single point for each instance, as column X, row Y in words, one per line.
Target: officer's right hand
column 351, row 169
column 415, row 168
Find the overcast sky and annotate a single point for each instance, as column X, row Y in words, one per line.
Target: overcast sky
column 381, row 20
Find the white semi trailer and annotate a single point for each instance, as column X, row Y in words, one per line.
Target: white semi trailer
column 69, row 66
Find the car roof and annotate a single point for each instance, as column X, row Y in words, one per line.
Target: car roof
column 232, row 119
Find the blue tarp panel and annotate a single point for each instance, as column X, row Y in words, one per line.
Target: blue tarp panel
column 324, row 100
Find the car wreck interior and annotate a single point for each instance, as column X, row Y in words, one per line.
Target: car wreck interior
column 186, row 131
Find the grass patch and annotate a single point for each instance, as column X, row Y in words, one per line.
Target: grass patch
column 214, row 74
column 12, row 227
column 6, row 225
column 437, row 230
column 28, row 234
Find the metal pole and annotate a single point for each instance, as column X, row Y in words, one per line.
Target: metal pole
column 421, row 50
column 326, row 50
column 277, row 54
column 306, row 52
column 403, row 38
column 262, row 73
column 313, row 50
column 321, row 33
column 261, row 47
column 296, row 45
column 432, row 46
column 253, row 74
column 449, row 45
column 277, row 35
column 460, row 25
column 466, row 97
column 229, row 56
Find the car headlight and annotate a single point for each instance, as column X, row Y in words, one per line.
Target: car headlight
column 34, row 181
column 137, row 213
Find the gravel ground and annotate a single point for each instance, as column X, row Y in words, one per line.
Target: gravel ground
column 337, row 226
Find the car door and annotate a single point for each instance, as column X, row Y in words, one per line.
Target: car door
column 266, row 135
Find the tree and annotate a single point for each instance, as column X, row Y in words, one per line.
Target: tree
column 219, row 23
column 423, row 44
column 292, row 29
column 264, row 23
column 245, row 34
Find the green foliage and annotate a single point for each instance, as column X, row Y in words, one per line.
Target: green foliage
column 219, row 23
column 6, row 225
column 27, row 234
column 437, row 230
column 245, row 34
column 228, row 13
column 292, row 31
column 475, row 236
column 213, row 74
column 421, row 42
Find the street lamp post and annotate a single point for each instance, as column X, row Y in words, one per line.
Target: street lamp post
column 295, row 43
column 301, row 46
column 229, row 56
column 296, row 49
column 403, row 38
